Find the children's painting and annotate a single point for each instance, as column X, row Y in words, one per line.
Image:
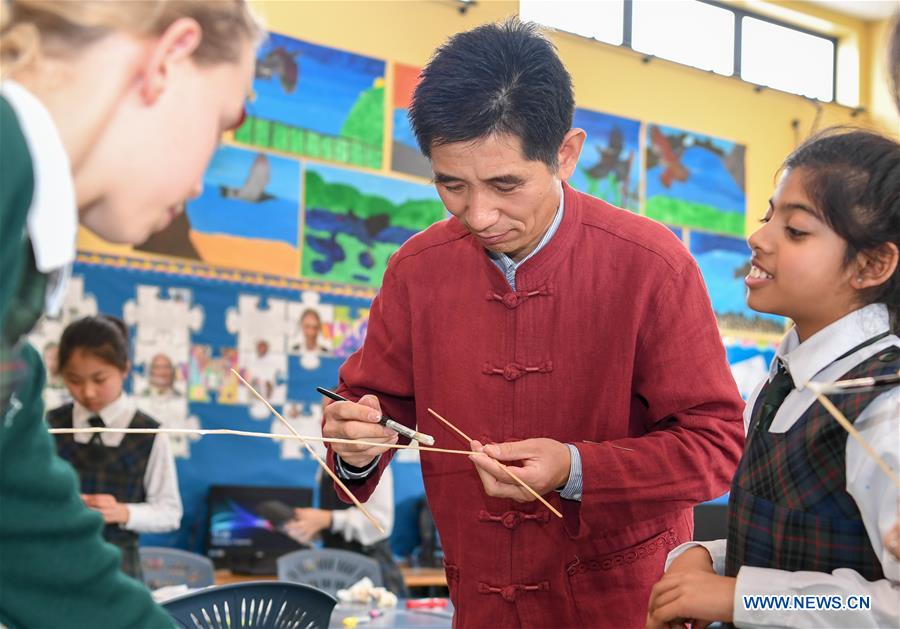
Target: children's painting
column 609, row 167
column 248, row 214
column 749, row 362
column 724, row 262
column 316, row 101
column 405, row 155
column 355, row 221
column 695, row 180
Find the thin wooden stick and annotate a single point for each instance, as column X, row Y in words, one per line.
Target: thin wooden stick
column 504, row 467
column 246, row 433
column 845, row 423
column 860, row 384
column 315, row 454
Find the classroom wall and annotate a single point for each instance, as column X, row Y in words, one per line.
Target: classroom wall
column 606, row 78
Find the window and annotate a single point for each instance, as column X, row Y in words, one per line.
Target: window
column 708, row 35
column 686, row 31
column 787, row 59
column 599, row 19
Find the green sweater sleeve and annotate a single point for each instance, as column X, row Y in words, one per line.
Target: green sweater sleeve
column 55, row 568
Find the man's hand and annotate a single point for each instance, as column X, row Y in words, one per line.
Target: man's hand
column 113, row 511
column 348, row 420
column 693, row 597
column 307, row 523
column 544, row 467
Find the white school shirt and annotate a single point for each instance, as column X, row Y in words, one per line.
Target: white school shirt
column 161, row 510
column 353, row 525
column 874, row 493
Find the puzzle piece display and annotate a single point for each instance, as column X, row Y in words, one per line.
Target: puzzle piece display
column 348, row 332
column 170, row 409
column 76, row 305
column 251, row 323
column 163, row 323
column 46, row 334
column 307, row 424
column 262, row 333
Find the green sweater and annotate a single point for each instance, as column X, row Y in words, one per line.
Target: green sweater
column 55, row 568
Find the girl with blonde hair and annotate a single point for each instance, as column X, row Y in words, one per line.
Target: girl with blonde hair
column 109, row 114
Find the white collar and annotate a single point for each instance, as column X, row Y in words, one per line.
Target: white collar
column 53, row 215
column 117, row 414
column 804, row 360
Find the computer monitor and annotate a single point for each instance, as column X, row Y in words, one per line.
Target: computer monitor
column 245, row 525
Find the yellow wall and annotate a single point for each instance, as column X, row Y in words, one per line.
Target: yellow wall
column 607, row 78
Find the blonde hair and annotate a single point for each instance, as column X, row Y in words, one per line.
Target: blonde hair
column 29, row 28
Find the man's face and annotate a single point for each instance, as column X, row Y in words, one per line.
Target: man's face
column 504, row 199
column 162, row 373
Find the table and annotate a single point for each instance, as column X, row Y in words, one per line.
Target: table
column 399, row 617
column 414, row 577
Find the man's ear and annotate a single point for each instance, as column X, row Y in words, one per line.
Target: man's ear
column 177, row 44
column 569, row 152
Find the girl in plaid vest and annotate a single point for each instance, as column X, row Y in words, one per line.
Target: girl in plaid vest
column 129, row 479
column 809, row 509
column 109, row 114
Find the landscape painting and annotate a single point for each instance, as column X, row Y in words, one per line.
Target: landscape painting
column 405, row 155
column 248, row 214
column 317, row 102
column 610, row 164
column 354, row 221
column 695, row 181
column 724, row 262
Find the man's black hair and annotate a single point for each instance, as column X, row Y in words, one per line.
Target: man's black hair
column 495, row 79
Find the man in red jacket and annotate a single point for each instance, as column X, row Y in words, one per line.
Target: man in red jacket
column 575, row 338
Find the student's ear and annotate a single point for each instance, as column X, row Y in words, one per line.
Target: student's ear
column 874, row 267
column 176, row 45
column 569, row 152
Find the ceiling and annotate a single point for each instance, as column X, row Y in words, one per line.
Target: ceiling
column 864, row 9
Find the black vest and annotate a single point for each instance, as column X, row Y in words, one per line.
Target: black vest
column 789, row 508
column 120, row 473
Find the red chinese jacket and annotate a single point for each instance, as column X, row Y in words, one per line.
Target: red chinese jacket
column 608, row 343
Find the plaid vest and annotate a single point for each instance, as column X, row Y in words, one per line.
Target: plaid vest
column 121, row 474
column 789, row 508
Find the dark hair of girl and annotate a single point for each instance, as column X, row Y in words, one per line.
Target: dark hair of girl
column 853, row 177
column 103, row 336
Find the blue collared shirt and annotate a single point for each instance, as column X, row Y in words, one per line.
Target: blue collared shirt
column 508, row 266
